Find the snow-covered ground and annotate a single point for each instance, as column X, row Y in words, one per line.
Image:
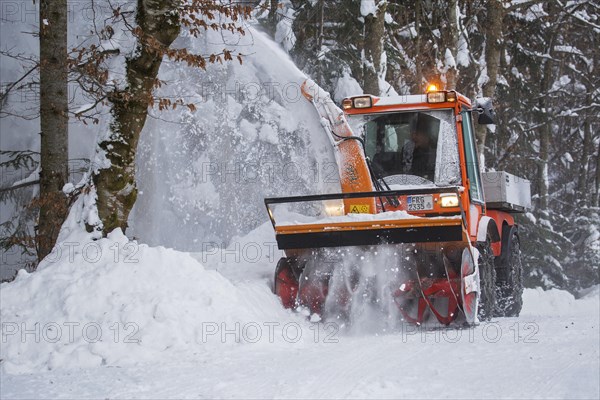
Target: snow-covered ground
column 118, row 320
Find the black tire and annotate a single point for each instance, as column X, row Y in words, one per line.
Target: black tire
column 285, row 281
column 487, row 277
column 510, row 280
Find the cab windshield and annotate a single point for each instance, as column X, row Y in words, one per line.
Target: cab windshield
column 411, row 148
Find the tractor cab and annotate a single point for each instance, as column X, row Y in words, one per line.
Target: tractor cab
column 411, row 147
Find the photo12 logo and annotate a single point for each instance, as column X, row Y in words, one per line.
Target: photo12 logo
column 70, row 332
column 254, row 332
column 489, row 332
column 92, row 252
column 27, row 11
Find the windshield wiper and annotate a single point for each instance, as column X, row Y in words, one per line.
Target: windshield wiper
column 378, row 187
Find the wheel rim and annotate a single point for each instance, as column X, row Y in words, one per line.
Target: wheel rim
column 469, row 286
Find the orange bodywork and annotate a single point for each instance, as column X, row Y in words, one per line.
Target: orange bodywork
column 353, row 168
column 364, row 225
column 473, row 212
column 355, row 176
column 439, row 222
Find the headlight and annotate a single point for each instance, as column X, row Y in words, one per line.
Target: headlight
column 449, row 200
column 436, row 97
column 334, row 207
column 362, row 102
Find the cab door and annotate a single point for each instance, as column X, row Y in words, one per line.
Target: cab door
column 477, row 203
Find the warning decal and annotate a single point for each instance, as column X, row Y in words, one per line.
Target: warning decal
column 360, row 209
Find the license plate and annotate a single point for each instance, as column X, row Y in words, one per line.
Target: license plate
column 420, row 203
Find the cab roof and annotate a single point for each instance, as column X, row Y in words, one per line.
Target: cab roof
column 365, row 104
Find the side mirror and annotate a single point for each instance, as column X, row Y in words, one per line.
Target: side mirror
column 485, row 109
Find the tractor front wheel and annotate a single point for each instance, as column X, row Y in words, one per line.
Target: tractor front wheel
column 285, row 285
column 469, row 287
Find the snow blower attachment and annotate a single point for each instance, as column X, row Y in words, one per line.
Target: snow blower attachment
column 411, row 187
column 330, row 225
column 308, row 227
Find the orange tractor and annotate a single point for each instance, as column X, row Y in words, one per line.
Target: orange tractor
column 414, row 204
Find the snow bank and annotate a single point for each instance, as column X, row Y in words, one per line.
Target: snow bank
column 114, row 302
column 559, row 303
column 252, row 257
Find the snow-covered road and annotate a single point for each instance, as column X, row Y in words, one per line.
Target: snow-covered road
column 552, row 357
column 148, row 322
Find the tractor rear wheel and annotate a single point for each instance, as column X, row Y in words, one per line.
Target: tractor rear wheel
column 510, row 280
column 487, row 276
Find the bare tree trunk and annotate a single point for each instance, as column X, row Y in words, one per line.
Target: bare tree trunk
column 320, row 38
column 493, row 33
column 116, row 185
column 543, row 178
column 418, row 69
column 54, row 118
column 545, row 119
column 272, row 18
column 451, row 43
column 374, row 33
column 584, row 161
column 597, row 202
column 321, row 26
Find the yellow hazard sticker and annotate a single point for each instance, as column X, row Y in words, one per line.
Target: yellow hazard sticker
column 360, row 209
